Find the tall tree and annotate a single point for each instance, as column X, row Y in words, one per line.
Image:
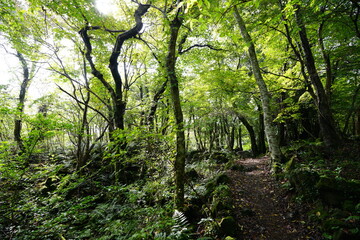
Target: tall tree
column 326, row 121
column 16, row 26
column 270, row 128
column 20, row 106
column 119, row 104
column 171, row 57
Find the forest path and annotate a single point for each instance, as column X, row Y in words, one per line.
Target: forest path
column 262, row 208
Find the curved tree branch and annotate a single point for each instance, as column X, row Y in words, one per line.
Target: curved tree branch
column 201, row 46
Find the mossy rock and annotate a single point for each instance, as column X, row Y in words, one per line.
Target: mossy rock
column 196, row 156
column 222, row 179
column 290, row 165
column 220, row 157
column 304, row 182
column 222, row 191
column 222, row 201
column 192, row 174
column 228, row 226
column 334, row 192
column 342, row 234
column 220, row 208
column 210, row 186
column 349, row 206
column 330, row 224
column 229, row 238
column 239, row 168
column 245, row 154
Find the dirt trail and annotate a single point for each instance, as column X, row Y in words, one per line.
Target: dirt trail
column 262, row 207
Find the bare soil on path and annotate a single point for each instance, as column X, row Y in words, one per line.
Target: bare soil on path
column 262, row 207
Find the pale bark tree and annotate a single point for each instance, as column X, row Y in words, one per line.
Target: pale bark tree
column 270, row 128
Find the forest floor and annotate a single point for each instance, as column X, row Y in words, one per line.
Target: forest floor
column 263, row 209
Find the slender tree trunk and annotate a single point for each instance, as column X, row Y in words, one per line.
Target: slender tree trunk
column 327, row 124
column 250, row 129
column 326, row 57
column 356, row 128
column 20, row 106
column 239, row 139
column 231, row 138
column 281, row 126
column 154, row 104
column 261, row 133
column 83, row 144
column 270, row 129
column 351, row 111
column 179, row 165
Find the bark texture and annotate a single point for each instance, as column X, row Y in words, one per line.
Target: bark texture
column 154, row 104
column 20, row 107
column 119, row 104
column 179, row 165
column 270, row 129
column 326, row 121
column 250, row 129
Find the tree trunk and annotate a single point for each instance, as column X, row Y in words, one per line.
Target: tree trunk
column 356, row 129
column 261, row 134
column 351, row 111
column 179, row 165
column 239, row 139
column 326, row 58
column 327, row 124
column 119, row 104
column 270, row 129
column 154, row 104
column 231, row 141
column 83, row 143
column 251, row 132
column 20, row 106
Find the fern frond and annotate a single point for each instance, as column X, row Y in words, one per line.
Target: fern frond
column 180, row 230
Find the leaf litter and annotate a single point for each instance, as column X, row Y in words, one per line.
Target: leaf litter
column 263, row 209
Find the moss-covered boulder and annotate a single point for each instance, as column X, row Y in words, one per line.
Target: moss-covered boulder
column 220, row 157
column 211, row 185
column 334, row 192
column 228, row 226
column 328, row 225
column 221, row 201
column 237, row 167
column 196, row 156
column 343, row 234
column 304, row 182
column 192, row 175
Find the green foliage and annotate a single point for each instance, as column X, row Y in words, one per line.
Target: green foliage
column 74, row 207
column 211, row 227
column 181, row 228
